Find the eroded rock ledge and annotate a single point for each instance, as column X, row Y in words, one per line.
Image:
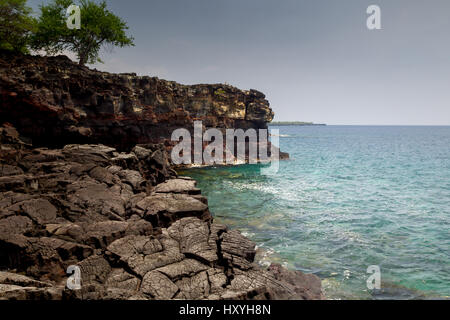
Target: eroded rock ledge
column 56, row 102
column 135, row 229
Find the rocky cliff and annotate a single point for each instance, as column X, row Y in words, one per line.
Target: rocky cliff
column 56, row 102
column 116, row 208
column 135, row 230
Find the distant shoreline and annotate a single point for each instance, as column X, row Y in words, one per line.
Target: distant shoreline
column 295, row 123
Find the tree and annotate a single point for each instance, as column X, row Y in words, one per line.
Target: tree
column 99, row 27
column 16, row 25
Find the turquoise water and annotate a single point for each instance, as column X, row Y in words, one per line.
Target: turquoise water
column 350, row 197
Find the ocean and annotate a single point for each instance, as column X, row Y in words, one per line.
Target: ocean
column 348, row 198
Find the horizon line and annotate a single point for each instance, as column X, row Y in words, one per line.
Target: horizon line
column 367, row 125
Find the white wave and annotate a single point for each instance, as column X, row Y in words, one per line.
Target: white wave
column 279, row 135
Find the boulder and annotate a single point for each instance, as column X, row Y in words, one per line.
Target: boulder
column 162, row 209
column 134, row 230
column 178, row 186
column 306, row 286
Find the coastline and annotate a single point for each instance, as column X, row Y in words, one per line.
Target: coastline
column 98, row 209
column 313, row 217
column 86, row 182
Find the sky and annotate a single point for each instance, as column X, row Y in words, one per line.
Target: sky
column 315, row 60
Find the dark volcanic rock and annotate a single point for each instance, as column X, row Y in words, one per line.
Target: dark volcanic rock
column 64, row 204
column 95, row 188
column 56, row 102
column 162, row 209
column 178, row 186
column 306, row 286
column 90, row 206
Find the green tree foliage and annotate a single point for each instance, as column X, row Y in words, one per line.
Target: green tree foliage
column 99, row 27
column 16, row 25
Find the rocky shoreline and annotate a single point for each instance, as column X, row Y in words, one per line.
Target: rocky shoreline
column 86, row 180
column 135, row 229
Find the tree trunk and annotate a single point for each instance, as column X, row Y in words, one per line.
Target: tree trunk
column 83, row 60
column 83, row 54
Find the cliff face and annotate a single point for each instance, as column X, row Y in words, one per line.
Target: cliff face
column 56, row 102
column 134, row 228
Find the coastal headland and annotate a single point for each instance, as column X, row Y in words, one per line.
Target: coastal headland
column 86, row 181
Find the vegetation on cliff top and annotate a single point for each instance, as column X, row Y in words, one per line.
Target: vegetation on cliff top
column 98, row 27
column 16, row 25
column 50, row 32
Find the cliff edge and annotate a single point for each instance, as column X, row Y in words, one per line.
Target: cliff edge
column 86, row 181
column 55, row 102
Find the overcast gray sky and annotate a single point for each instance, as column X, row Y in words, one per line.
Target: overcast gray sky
column 315, row 60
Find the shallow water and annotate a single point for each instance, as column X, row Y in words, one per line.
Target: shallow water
column 350, row 197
